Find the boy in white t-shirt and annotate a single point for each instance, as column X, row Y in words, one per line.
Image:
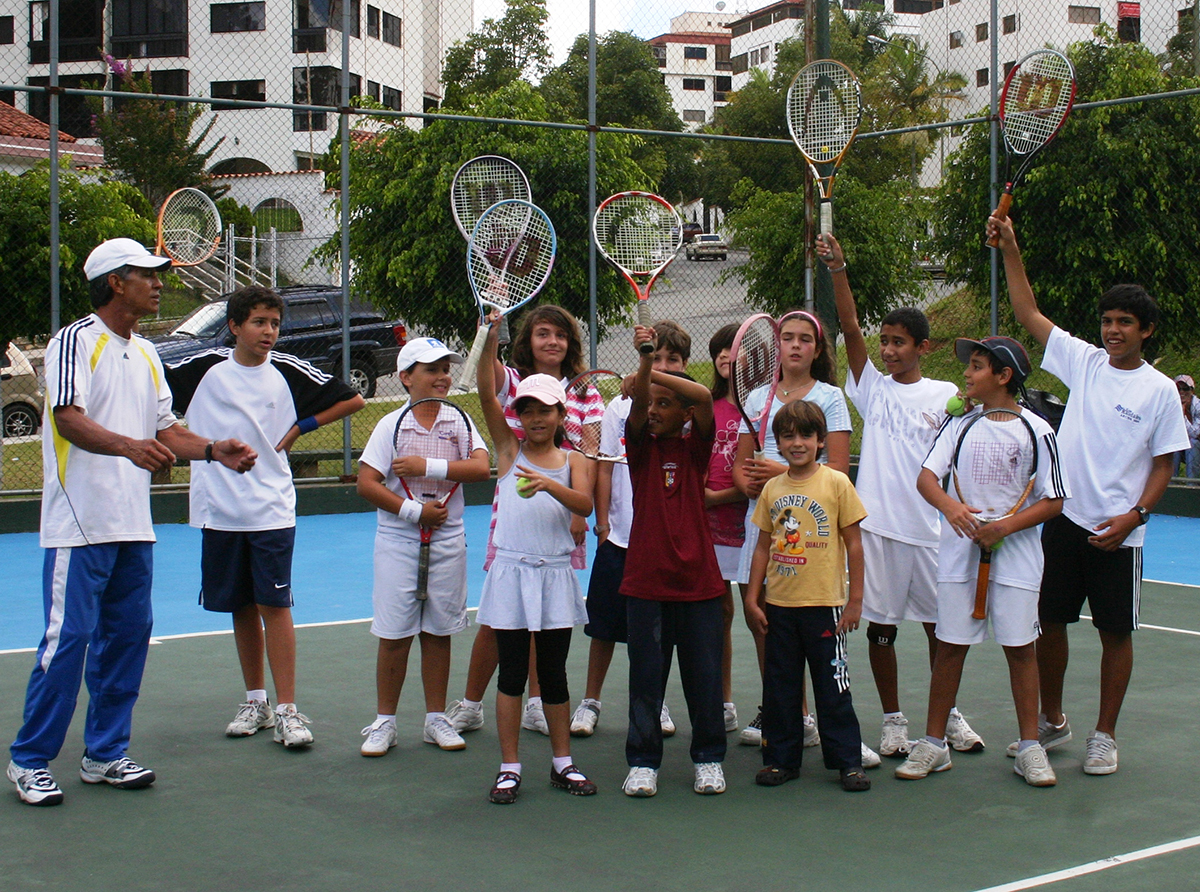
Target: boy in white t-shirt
column 989, row 455
column 902, row 412
column 1119, row 430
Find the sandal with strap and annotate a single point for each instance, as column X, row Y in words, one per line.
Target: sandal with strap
column 572, row 780
column 505, row 795
column 854, row 780
column 774, row 775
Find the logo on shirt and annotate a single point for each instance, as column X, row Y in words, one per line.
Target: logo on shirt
column 1129, row 414
column 669, row 469
column 801, row 525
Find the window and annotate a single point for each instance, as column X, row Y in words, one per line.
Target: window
column 739, row 29
column 278, row 213
column 1009, row 66
column 74, row 114
column 149, row 29
column 1083, row 15
column 1129, row 29
column 391, row 29
column 760, row 56
column 373, row 90
column 695, row 52
column 6, row 29
column 253, row 91
column 693, row 83
column 724, row 83
column 693, row 115
column 916, row 7
column 373, row 22
column 722, row 56
column 981, row 32
column 391, row 98
column 660, row 55
column 311, row 18
column 981, row 77
column 79, row 31
column 335, row 15
column 226, row 17
column 739, row 64
column 956, row 39
column 1008, row 25
column 318, row 85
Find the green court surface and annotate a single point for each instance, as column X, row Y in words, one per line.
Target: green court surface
column 235, row 814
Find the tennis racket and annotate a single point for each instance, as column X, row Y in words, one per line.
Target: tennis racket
column 753, row 365
column 994, row 468
column 479, row 184
column 1037, row 97
column 448, row 437
column 640, row 234
column 593, row 389
column 509, row 258
column 824, row 108
column 189, row 227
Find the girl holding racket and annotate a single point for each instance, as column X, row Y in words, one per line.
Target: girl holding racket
column 531, row 591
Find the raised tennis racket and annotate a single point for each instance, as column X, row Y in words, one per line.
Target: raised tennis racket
column 824, row 108
column 640, row 234
column 995, row 465
column 480, row 183
column 1037, row 97
column 189, row 227
column 593, row 391
column 509, row 258
column 753, row 365
column 431, row 428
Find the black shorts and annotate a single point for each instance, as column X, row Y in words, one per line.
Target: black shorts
column 1076, row 571
column 241, row 568
column 605, row 603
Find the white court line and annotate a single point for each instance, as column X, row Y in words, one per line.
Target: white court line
column 1103, row 864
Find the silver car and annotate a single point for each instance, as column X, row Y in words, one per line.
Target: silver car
column 23, row 397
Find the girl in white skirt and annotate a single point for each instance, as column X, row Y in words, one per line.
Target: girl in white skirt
column 531, row 589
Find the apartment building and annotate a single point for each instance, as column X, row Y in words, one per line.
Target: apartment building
column 694, row 60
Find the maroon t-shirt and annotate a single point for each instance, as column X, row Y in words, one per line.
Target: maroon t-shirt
column 670, row 556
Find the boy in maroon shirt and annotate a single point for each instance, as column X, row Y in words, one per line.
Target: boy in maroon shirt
column 672, row 579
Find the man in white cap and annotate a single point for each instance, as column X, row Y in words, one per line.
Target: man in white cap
column 107, row 427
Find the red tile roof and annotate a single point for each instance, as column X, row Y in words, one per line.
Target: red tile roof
column 16, row 123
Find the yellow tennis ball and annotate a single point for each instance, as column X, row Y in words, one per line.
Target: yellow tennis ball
column 523, row 490
column 955, row 405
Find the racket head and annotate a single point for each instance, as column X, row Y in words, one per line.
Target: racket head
column 482, row 182
column 510, row 254
column 189, row 227
column 639, row 233
column 754, row 364
column 451, row 438
column 592, row 387
column 824, row 110
column 1037, row 97
column 995, row 462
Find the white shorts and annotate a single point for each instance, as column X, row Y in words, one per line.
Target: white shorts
column 728, row 558
column 900, row 581
column 398, row 613
column 1012, row 612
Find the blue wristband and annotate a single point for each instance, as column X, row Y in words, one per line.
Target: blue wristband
column 308, row 425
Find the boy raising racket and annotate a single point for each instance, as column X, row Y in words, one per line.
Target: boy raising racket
column 996, row 370
column 1120, row 427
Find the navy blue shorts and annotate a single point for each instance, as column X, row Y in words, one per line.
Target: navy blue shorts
column 241, row 568
column 1076, row 571
column 605, row 603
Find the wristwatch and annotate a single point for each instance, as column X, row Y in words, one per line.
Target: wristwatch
column 1142, row 513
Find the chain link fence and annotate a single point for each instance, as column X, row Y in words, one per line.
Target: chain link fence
column 273, row 107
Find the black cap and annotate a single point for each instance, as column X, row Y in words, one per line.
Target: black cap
column 1010, row 352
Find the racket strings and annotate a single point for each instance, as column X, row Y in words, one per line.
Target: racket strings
column 449, row 440
column 512, row 250
column 1036, row 101
column 755, row 363
column 190, row 226
column 484, row 182
column 637, row 233
column 995, row 465
column 824, row 108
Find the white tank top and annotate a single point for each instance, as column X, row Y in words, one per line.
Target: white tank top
column 539, row 525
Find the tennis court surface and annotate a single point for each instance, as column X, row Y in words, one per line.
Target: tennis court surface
column 233, row 813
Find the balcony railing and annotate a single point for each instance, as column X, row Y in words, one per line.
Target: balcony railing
column 150, row 46
column 75, row 49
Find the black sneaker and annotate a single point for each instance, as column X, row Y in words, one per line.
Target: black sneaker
column 122, row 773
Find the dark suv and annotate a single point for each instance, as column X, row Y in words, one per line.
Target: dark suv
column 311, row 329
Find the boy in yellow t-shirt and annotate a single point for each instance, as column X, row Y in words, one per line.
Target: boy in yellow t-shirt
column 808, row 529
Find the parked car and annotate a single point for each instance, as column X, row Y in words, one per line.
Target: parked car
column 23, row 398
column 713, row 246
column 311, row 329
column 690, row 231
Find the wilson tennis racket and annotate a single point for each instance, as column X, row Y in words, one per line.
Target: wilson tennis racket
column 431, row 428
column 509, row 258
column 824, row 108
column 479, row 184
column 640, row 234
column 1037, row 97
column 994, row 469
column 189, row 227
column 592, row 391
column 754, row 365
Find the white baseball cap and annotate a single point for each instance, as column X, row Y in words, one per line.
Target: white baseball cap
column 118, row 252
column 424, row 350
column 543, row 388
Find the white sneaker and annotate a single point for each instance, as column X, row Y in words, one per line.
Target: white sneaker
column 752, row 734
column 710, row 778
column 960, row 735
column 812, row 737
column 1049, row 736
column 289, row 727
column 731, row 722
column 252, row 716
column 893, row 741
column 664, row 719
column 925, row 759
column 35, row 785
column 534, row 718
column 439, row 730
column 641, row 782
column 381, row 737
column 870, row 758
column 464, row 718
column 1101, row 754
column 123, row 773
column 1035, row 767
column 583, row 722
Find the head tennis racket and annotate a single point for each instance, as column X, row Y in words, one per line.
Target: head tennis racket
column 995, row 465
column 509, row 258
column 431, row 428
column 1037, row 97
column 594, row 389
column 640, row 234
column 753, row 366
column 824, row 108
column 189, row 227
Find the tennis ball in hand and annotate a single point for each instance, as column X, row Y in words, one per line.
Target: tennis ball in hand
column 523, row 488
column 955, row 405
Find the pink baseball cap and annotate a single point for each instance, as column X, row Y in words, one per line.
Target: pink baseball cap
column 1186, row 379
column 543, row 388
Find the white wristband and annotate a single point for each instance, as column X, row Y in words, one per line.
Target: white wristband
column 437, row 468
column 410, row 510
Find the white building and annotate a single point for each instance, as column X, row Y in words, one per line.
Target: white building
column 694, row 59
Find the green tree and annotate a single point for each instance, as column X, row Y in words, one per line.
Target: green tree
column 502, row 50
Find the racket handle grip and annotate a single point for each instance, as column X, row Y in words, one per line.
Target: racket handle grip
column 643, row 312
column 981, row 584
column 826, row 217
column 505, row 337
column 422, row 593
column 1000, row 213
column 466, row 378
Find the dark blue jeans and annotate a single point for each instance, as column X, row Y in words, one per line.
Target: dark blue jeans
column 696, row 630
